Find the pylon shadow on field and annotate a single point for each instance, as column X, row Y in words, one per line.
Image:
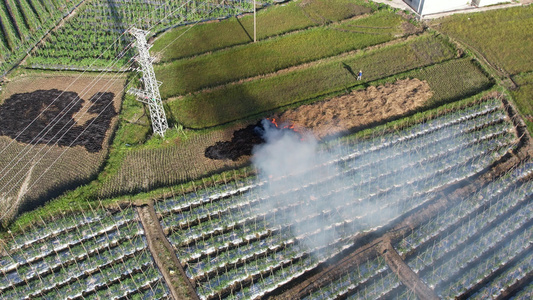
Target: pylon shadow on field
column 245, row 31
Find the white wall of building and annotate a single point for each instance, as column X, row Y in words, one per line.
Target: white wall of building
column 425, row 7
column 437, row 6
column 490, row 2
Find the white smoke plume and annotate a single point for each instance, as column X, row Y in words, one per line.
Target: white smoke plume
column 303, row 190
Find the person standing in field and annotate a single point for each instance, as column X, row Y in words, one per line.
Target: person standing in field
column 359, row 75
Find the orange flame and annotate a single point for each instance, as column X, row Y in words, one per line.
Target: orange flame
column 291, row 126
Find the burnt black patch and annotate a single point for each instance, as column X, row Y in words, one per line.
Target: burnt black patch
column 47, row 117
column 244, row 140
column 241, row 144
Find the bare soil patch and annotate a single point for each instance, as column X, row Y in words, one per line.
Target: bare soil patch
column 360, row 108
column 356, row 110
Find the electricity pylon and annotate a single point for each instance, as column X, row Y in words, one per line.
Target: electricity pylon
column 150, row 95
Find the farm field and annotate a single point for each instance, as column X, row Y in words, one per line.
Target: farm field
column 242, row 239
column 31, row 173
column 209, row 108
column 277, row 53
column 522, row 97
column 24, row 24
column 94, row 255
column 272, row 22
column 282, row 175
column 502, row 44
column 501, row 48
column 273, row 232
column 99, row 29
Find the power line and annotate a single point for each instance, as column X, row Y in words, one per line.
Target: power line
column 15, row 185
column 16, row 204
column 55, row 120
column 94, row 60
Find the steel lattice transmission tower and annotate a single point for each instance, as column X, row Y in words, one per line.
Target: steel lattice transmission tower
column 150, row 95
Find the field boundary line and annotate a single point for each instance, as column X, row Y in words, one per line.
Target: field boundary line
column 299, row 67
column 159, row 247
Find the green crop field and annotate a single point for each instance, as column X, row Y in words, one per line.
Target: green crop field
column 500, row 35
column 96, row 38
column 273, row 21
column 213, row 107
column 24, row 23
column 523, row 97
column 189, row 75
column 453, row 80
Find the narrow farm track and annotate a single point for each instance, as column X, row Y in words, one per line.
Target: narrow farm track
column 407, row 276
column 164, row 256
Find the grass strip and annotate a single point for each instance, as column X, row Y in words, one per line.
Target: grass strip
column 184, row 76
column 234, row 102
column 273, row 21
column 523, row 99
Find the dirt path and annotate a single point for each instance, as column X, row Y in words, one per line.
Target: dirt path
column 164, row 256
column 406, row 275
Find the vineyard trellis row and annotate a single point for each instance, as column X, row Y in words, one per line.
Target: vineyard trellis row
column 487, row 232
column 370, row 279
column 100, row 23
column 515, row 272
column 93, row 254
column 96, row 25
column 26, row 25
column 229, row 234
